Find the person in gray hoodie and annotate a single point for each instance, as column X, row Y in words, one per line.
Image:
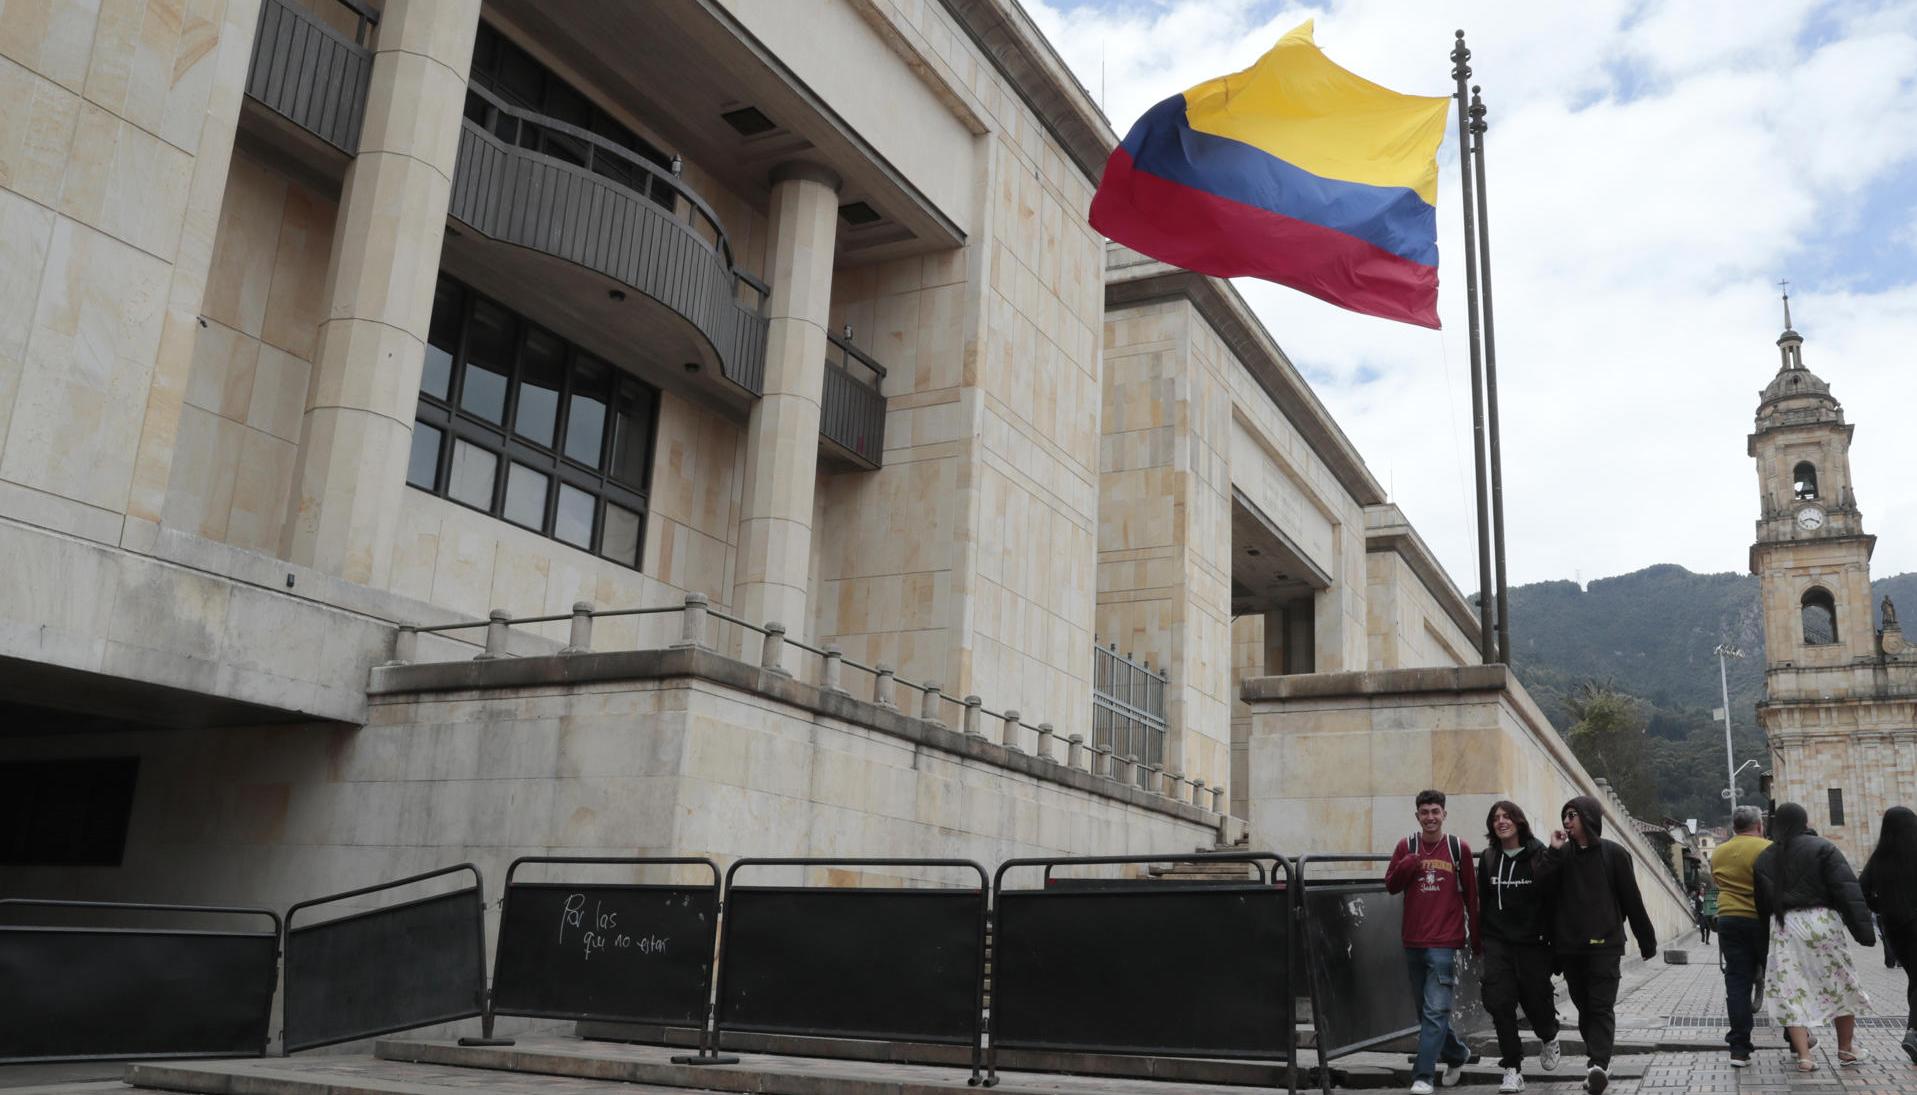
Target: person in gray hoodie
column 1517, row 947
column 1592, row 885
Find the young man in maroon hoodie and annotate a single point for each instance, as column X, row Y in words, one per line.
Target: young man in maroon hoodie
column 1440, row 890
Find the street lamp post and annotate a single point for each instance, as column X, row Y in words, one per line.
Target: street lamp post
column 1723, row 651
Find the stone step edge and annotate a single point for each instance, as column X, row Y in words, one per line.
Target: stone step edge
column 248, row 1077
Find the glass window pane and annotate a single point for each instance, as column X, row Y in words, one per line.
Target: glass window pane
column 526, row 496
column 422, row 468
column 631, row 439
column 489, row 356
column 586, row 413
column 573, row 522
column 442, row 341
column 471, row 480
column 622, row 536
column 541, row 368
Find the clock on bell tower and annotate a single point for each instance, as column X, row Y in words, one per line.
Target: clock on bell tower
column 1811, row 554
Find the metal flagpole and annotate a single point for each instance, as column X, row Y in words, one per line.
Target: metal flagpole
column 1491, row 379
column 1462, row 72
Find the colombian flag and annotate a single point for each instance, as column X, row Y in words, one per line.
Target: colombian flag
column 1295, row 171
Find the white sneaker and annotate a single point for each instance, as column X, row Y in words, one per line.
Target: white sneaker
column 1450, row 1074
column 1596, row 1080
column 1513, row 1081
column 1421, row 1087
column 1548, row 1058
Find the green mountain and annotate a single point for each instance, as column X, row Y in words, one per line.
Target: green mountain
column 1650, row 635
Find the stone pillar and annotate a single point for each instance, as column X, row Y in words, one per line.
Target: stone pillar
column 782, row 436
column 350, row 476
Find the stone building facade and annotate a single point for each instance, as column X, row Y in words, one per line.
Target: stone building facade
column 1840, row 706
column 453, row 429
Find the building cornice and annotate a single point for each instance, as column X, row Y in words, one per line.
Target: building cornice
column 1039, row 76
column 1387, row 529
column 1132, row 278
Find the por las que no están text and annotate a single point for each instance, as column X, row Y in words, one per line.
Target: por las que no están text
column 600, row 931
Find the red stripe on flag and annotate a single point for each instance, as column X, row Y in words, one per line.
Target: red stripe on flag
column 1199, row 231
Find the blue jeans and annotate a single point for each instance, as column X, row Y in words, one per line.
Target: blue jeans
column 1434, row 974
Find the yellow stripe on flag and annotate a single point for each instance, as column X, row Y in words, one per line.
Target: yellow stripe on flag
column 1299, row 106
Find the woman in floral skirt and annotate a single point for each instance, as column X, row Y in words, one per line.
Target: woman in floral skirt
column 1810, row 895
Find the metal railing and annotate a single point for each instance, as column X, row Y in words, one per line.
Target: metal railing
column 975, row 722
column 851, row 407
column 311, row 74
column 1128, row 705
column 538, row 182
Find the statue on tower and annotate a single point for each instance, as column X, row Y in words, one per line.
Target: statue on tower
column 1890, row 615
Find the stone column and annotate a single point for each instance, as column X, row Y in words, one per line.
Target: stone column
column 782, row 437
column 350, row 476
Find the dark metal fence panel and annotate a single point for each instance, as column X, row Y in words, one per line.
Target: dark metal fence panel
column 852, row 415
column 1353, row 937
column 92, row 993
column 310, row 74
column 1162, row 969
column 905, row 964
column 623, row 953
column 587, row 216
column 406, row 965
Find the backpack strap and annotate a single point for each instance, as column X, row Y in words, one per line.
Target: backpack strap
column 1457, row 860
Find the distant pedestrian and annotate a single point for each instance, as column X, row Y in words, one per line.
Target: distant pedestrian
column 1890, row 888
column 1593, row 888
column 1440, row 915
column 1741, row 936
column 1806, row 888
column 1698, row 914
column 1517, row 956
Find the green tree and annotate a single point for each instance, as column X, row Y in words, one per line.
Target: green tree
column 1607, row 734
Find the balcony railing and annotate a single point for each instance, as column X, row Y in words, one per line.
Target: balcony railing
column 851, row 407
column 310, row 74
column 540, row 183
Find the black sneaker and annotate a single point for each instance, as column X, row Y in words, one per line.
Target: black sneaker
column 1596, row 1080
column 1740, row 1058
column 1910, row 1044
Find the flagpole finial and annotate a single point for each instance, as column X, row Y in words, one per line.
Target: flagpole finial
column 1477, row 110
column 1459, row 55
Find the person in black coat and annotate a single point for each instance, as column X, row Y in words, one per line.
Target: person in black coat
column 1889, row 883
column 1592, row 885
column 1517, row 954
column 1806, row 889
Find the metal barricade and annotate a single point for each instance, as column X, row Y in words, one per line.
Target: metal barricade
column 408, row 965
column 904, row 964
column 1165, row 969
column 627, row 952
column 1352, row 936
column 81, row 992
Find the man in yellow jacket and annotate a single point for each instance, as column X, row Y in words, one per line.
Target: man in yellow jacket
column 1740, row 934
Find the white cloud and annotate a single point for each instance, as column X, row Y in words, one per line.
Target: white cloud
column 1655, row 166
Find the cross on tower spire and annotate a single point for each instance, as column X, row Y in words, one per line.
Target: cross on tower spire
column 1785, row 285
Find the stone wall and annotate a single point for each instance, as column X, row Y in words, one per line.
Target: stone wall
column 1337, row 759
column 677, row 752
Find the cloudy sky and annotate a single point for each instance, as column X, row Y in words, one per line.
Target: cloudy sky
column 1655, row 168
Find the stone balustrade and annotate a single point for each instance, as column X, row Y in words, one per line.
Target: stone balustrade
column 1014, row 734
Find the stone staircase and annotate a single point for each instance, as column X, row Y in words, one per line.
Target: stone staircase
column 1201, row 871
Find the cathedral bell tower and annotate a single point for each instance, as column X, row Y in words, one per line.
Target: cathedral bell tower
column 1811, row 555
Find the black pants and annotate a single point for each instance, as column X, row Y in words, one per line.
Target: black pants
column 1903, row 939
column 1518, row 974
column 1592, row 979
column 1744, row 940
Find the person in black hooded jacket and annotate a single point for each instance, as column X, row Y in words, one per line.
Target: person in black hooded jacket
column 1517, row 954
column 1806, row 888
column 1592, row 885
column 1889, row 882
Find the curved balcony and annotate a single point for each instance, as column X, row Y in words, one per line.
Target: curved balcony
column 851, row 407
column 570, row 195
column 310, row 74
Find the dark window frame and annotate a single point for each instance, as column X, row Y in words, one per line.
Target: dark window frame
column 500, row 439
column 1835, row 800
